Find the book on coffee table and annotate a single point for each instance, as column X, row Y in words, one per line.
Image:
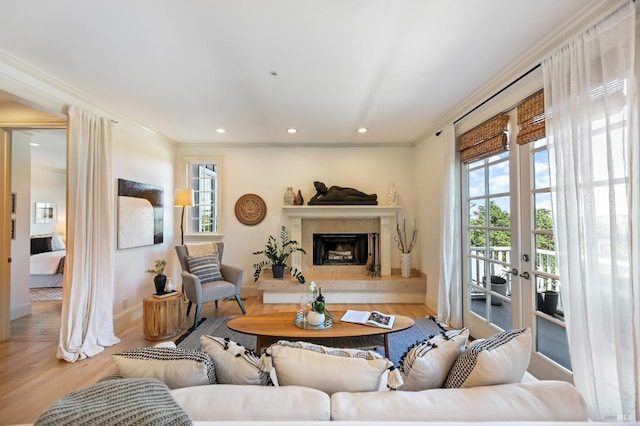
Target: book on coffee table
column 374, row 318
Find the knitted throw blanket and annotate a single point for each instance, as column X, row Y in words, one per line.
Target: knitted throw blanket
column 117, row 402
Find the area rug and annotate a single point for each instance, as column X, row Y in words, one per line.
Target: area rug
column 45, row 294
column 398, row 342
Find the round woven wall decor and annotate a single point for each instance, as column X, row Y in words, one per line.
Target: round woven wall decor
column 250, row 209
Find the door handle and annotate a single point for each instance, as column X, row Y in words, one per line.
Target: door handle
column 525, row 275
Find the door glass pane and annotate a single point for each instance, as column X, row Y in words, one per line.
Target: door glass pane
column 500, row 243
column 541, row 169
column 476, row 212
column 501, row 313
column 542, row 207
column 476, row 183
column 478, row 302
column 499, row 212
column 552, row 342
column 545, row 256
column 499, row 178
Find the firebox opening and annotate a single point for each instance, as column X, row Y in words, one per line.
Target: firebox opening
column 340, row 249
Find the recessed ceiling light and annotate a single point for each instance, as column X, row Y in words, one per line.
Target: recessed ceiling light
column 221, row 130
column 34, row 144
column 362, row 130
column 292, row 130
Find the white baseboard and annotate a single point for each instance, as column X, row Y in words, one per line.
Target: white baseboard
column 20, row 311
column 122, row 320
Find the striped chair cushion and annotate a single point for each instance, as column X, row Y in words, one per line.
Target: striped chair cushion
column 206, row 268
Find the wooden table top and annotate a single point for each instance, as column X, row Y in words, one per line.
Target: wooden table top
column 281, row 324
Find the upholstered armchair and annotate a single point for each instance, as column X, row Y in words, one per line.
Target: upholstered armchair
column 203, row 281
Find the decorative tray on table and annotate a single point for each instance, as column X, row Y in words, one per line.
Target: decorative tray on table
column 300, row 321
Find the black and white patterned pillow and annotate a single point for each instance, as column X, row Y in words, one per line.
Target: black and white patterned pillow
column 206, row 268
column 176, row 367
column 234, row 363
column 426, row 364
column 117, row 402
column 500, row 359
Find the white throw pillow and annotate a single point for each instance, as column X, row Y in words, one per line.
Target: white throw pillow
column 426, row 364
column 175, row 367
column 234, row 364
column 500, row 359
column 329, row 369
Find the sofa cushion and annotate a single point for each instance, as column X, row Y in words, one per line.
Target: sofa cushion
column 117, row 402
column 543, row 400
column 175, row 367
column 329, row 369
column 427, row 363
column 501, row 358
column 233, row 362
column 206, row 268
column 241, row 402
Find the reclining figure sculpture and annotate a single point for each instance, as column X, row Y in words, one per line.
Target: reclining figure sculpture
column 337, row 195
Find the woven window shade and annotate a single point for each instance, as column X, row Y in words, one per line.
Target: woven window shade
column 485, row 140
column 531, row 119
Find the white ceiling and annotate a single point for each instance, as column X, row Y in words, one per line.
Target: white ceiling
column 185, row 68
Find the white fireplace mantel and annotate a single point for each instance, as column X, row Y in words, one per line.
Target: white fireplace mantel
column 386, row 214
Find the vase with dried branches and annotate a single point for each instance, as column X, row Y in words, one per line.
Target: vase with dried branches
column 406, row 242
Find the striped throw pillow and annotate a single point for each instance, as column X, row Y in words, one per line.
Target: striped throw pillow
column 206, row 268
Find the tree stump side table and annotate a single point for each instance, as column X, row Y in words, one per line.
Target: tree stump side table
column 162, row 318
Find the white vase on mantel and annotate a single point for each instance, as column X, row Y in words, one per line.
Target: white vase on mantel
column 405, row 265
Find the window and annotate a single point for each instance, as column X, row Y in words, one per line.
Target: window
column 203, row 177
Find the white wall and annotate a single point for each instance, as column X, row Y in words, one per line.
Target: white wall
column 268, row 172
column 428, row 175
column 21, row 246
column 49, row 186
column 141, row 156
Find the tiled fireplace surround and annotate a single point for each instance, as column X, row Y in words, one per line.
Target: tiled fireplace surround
column 344, row 283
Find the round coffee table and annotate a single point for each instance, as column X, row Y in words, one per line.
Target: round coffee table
column 275, row 326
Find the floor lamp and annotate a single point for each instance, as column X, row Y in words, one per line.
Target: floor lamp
column 183, row 198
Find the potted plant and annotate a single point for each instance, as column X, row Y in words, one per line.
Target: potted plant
column 548, row 293
column 160, row 279
column 277, row 255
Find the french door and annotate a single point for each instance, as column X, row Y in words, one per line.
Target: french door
column 509, row 262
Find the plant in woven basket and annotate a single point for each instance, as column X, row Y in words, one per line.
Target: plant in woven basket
column 277, row 254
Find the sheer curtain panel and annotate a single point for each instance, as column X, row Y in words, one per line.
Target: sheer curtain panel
column 592, row 131
column 87, row 304
column 449, row 294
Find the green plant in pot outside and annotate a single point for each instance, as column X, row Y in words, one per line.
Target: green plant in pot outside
column 160, row 278
column 277, row 254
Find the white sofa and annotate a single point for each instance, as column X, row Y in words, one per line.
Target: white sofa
column 224, row 382
column 527, row 401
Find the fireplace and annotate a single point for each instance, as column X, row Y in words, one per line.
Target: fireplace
column 340, row 249
column 352, row 220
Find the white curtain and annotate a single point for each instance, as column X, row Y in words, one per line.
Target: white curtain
column 592, row 130
column 87, row 304
column 449, row 294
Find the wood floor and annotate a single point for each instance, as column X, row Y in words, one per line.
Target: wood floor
column 32, row 378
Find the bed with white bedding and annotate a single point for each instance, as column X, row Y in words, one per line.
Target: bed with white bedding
column 46, row 263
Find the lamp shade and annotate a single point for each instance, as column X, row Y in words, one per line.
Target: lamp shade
column 183, row 197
